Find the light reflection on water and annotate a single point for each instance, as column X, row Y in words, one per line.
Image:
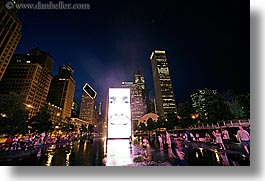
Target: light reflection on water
column 118, row 153
column 217, row 156
column 103, row 152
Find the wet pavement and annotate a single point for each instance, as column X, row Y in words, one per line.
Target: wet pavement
column 118, row 152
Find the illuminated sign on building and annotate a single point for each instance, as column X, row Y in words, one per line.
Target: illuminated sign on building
column 90, row 91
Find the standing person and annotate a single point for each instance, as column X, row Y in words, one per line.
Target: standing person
column 244, row 138
column 145, row 142
column 130, row 141
column 218, row 139
column 160, row 140
column 213, row 137
column 226, row 137
column 197, row 137
column 144, row 150
column 207, row 138
column 168, row 139
column 15, row 142
column 42, row 136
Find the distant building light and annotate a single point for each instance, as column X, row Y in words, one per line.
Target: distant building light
column 27, row 61
column 151, row 55
column 160, row 51
column 3, row 115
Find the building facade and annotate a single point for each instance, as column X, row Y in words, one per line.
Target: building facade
column 75, row 109
column 56, row 114
column 10, row 35
column 138, row 107
column 29, row 74
column 87, row 107
column 138, row 97
column 62, row 89
column 164, row 95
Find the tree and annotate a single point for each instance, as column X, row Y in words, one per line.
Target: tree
column 10, row 103
column 239, row 104
column 184, row 117
column 90, row 128
column 142, row 127
column 42, row 121
column 244, row 101
column 211, row 106
column 68, row 127
column 160, row 123
column 13, row 114
column 219, row 109
column 20, row 121
column 151, row 125
column 83, row 128
column 171, row 121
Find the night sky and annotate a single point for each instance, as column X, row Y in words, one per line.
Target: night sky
column 207, row 42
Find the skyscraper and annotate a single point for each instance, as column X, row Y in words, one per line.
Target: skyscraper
column 138, row 97
column 164, row 95
column 87, row 107
column 139, row 106
column 62, row 89
column 29, row 74
column 10, row 34
column 75, row 109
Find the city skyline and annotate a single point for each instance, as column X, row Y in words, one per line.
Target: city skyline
column 205, row 43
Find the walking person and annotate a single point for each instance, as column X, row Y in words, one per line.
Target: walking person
column 244, row 138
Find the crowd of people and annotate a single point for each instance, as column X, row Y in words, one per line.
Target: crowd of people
column 176, row 150
column 35, row 140
column 221, row 137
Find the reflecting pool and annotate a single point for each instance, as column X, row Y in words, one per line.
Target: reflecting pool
column 118, row 152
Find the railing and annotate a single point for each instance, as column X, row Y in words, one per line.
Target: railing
column 223, row 124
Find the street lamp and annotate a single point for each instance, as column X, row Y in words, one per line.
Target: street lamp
column 30, row 109
column 3, row 115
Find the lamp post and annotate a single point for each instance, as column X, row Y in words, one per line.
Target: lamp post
column 30, row 107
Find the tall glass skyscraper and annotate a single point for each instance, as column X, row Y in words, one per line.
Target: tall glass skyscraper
column 164, row 95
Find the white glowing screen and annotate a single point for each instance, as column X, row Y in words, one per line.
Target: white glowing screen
column 119, row 113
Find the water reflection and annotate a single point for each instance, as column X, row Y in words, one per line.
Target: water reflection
column 118, row 153
column 103, row 152
column 224, row 158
